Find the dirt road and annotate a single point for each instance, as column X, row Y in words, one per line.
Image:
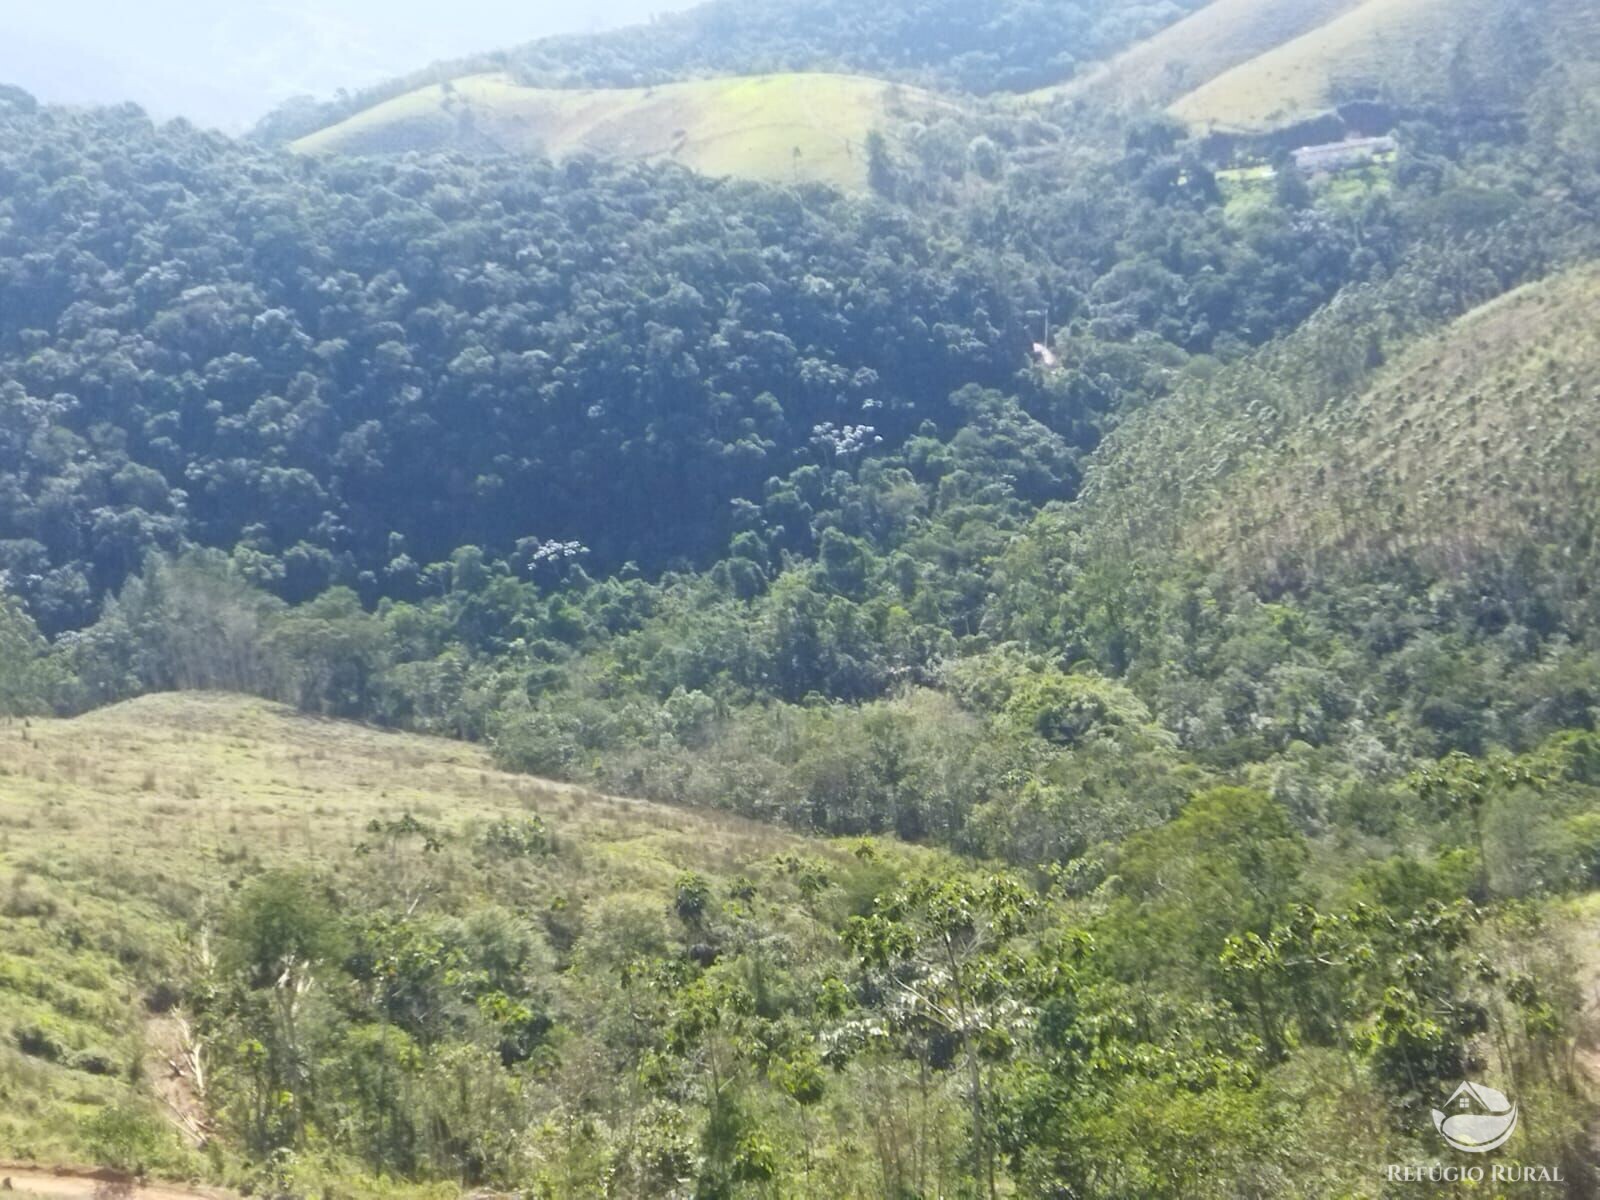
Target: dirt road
column 23, row 1181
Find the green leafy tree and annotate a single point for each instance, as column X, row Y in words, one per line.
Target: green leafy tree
column 29, row 678
column 944, row 948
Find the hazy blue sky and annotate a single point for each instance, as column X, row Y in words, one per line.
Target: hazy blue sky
column 226, row 62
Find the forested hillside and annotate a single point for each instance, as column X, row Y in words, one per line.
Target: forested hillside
column 1096, row 627
column 208, row 342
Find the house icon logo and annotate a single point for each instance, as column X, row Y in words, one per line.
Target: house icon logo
column 1476, row 1119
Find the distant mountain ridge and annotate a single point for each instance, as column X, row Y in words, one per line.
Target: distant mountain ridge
column 778, row 93
column 1402, row 48
column 740, row 88
column 1254, row 66
column 1215, row 38
column 946, row 45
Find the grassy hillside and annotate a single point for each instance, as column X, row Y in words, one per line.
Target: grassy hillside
column 1250, row 66
column 1387, row 46
column 776, row 128
column 1222, row 35
column 127, row 834
column 998, row 47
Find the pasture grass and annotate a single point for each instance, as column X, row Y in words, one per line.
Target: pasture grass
column 125, row 831
column 780, row 128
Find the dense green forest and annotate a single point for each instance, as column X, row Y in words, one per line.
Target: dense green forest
column 241, row 350
column 1164, row 767
column 627, row 359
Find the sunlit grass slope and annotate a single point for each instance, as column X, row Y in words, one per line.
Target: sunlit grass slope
column 123, row 834
column 1222, row 35
column 776, row 128
column 1392, row 43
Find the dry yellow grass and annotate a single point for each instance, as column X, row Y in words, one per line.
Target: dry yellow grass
column 1389, row 42
column 155, row 797
column 1222, row 35
column 1253, row 66
column 125, row 831
column 789, row 128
